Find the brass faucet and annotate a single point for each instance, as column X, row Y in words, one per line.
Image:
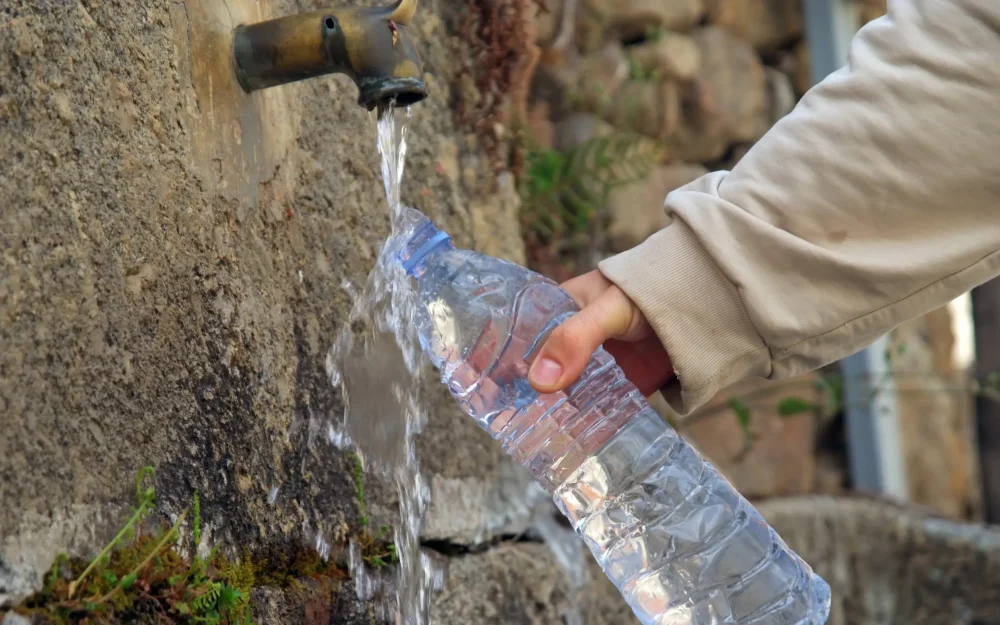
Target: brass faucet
column 369, row 44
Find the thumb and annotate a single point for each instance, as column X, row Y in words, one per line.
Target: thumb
column 570, row 346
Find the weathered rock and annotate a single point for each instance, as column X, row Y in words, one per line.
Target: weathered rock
column 636, row 210
column 893, row 565
column 831, row 473
column 522, row 584
column 766, row 24
column 635, row 18
column 671, row 57
column 578, row 129
column 555, row 84
column 725, row 101
column 466, row 511
column 312, row 602
column 510, row 583
column 540, row 127
column 781, row 457
column 886, row 564
column 648, row 107
column 600, row 76
column 636, row 107
column 781, row 97
column 12, row 618
column 171, row 276
column 796, row 66
column 671, row 109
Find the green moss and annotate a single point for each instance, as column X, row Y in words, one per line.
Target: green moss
column 283, row 569
column 152, row 576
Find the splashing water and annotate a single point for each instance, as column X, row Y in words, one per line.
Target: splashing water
column 376, row 361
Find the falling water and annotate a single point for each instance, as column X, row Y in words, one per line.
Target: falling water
column 376, row 361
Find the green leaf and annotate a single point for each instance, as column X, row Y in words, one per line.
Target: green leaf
column 657, row 33
column 742, row 412
column 791, row 406
column 228, row 597
column 144, row 497
column 182, row 608
column 127, row 581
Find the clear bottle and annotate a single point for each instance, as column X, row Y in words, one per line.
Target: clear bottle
column 682, row 546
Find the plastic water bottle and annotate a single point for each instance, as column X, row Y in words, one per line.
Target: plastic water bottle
column 682, row 546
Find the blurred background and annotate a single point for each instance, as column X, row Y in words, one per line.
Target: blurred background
column 629, row 100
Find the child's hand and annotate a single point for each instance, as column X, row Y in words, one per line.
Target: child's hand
column 607, row 317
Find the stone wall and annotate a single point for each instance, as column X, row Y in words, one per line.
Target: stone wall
column 172, row 253
column 893, row 565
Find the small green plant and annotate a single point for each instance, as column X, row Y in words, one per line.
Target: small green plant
column 636, row 71
column 144, row 576
column 562, row 192
column 376, row 549
column 656, row 33
column 742, row 413
column 359, row 489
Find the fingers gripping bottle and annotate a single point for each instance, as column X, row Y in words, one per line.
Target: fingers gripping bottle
column 682, row 546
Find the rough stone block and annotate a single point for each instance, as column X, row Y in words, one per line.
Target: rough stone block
column 889, row 564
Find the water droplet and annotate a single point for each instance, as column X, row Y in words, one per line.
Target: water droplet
column 322, row 547
column 337, row 438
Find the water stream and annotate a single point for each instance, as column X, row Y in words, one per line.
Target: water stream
column 376, row 362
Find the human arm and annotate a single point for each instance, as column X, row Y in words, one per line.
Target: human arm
column 876, row 200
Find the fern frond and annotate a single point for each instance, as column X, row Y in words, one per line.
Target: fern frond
column 563, row 191
column 206, row 601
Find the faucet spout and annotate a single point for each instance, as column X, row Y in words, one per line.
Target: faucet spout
column 371, row 45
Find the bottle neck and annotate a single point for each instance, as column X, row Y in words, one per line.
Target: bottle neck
column 423, row 245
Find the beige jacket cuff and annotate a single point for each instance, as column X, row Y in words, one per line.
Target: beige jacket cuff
column 700, row 318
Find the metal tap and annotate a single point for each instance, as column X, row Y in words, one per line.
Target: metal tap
column 369, row 44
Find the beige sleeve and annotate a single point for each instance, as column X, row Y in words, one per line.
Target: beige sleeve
column 876, row 200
